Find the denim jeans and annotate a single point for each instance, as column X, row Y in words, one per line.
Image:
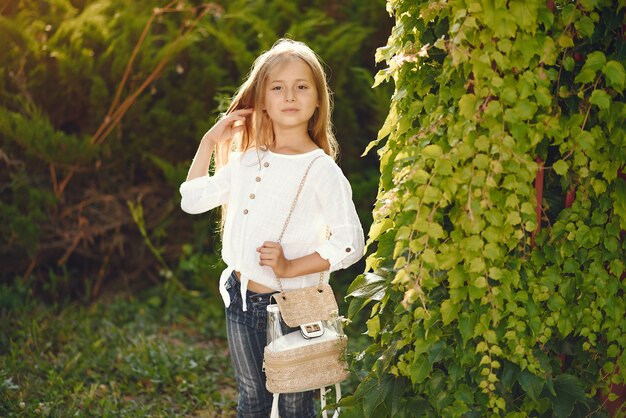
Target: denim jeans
column 247, row 338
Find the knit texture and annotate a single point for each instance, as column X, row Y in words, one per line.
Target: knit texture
column 306, row 305
column 306, row 368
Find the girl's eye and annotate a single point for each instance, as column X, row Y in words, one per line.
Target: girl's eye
column 276, row 88
column 303, row 87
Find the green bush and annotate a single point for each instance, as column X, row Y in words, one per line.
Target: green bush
column 102, row 104
column 474, row 311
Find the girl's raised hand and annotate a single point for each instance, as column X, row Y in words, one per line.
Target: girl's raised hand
column 227, row 126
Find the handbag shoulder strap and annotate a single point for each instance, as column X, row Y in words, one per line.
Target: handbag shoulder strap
column 295, row 199
column 291, row 209
column 274, row 412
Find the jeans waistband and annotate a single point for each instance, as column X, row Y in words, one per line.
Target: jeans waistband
column 250, row 295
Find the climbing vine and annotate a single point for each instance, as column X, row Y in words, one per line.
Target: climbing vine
column 497, row 283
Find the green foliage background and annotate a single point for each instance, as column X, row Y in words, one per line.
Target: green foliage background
column 473, row 314
column 102, row 104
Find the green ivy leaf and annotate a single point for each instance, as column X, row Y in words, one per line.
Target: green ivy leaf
column 595, row 61
column 568, row 12
column 509, row 95
column 619, row 201
column 378, row 228
column 480, row 282
column 565, row 326
column 568, row 63
column 366, row 387
column 493, row 109
column 586, row 141
column 366, row 285
column 504, row 25
column 585, row 26
column 432, row 151
column 390, row 121
column 585, row 76
column 532, row 384
column 525, row 13
column 548, row 51
column 420, row 369
column 616, row 267
column 569, row 392
column 467, row 323
column 376, row 396
column 543, row 96
column 435, row 231
column 492, row 251
column 373, row 326
column 449, row 311
column 429, row 257
column 601, row 99
column 467, row 106
column 615, row 75
column 560, row 167
column 365, row 288
column 545, row 16
column 513, row 218
column 355, row 306
column 587, row 5
column 565, row 40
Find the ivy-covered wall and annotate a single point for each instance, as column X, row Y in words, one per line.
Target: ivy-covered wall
column 497, row 283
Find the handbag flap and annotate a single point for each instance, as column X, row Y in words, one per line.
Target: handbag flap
column 309, row 304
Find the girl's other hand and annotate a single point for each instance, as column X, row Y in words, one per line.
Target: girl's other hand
column 271, row 255
column 227, row 126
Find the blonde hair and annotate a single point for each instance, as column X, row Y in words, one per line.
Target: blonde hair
column 258, row 130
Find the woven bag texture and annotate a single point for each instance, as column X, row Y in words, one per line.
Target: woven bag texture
column 306, row 368
column 309, row 304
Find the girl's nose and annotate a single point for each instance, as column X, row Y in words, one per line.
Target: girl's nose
column 289, row 95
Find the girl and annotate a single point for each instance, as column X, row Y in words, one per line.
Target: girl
column 278, row 122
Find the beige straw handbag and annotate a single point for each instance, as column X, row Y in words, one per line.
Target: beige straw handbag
column 311, row 354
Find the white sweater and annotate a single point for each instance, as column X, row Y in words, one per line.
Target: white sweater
column 258, row 197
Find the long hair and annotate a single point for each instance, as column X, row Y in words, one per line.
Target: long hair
column 259, row 131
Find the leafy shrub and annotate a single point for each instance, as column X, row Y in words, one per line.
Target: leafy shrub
column 475, row 312
column 102, row 104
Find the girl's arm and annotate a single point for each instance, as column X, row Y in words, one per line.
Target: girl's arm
column 222, row 131
column 201, row 192
column 202, row 159
column 346, row 243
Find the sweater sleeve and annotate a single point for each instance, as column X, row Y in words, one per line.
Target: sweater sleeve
column 346, row 243
column 207, row 192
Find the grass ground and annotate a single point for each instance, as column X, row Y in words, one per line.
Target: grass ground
column 149, row 355
column 156, row 354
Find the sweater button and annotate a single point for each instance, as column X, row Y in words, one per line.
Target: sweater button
column 348, row 249
column 258, row 179
column 252, row 196
column 266, row 164
column 245, row 211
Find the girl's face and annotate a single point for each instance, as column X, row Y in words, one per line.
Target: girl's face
column 290, row 95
